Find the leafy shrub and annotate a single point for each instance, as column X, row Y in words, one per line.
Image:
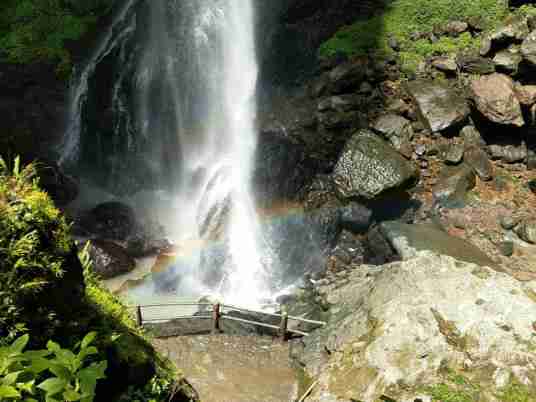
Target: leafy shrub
column 403, row 17
column 34, row 251
column 54, row 374
column 37, row 30
column 49, row 292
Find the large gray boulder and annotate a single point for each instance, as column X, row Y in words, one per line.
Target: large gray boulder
column 408, row 240
column 395, row 330
column 439, row 107
column 496, row 99
column 368, row 167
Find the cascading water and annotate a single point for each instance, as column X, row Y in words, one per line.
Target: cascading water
column 218, row 135
column 164, row 113
column 70, row 146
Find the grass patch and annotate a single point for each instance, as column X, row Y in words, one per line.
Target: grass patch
column 458, row 388
column 400, row 18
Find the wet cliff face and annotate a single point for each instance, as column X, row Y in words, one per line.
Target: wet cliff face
column 32, row 102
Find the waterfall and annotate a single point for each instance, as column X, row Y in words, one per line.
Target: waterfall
column 200, row 64
column 182, row 78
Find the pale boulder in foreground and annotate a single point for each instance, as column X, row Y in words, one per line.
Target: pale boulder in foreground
column 394, row 327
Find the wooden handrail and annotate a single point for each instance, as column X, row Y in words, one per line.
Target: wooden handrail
column 219, row 313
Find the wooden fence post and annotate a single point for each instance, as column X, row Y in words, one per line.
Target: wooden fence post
column 283, row 326
column 139, row 319
column 216, row 315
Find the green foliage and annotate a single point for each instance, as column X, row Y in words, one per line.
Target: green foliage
column 54, row 374
column 458, row 388
column 34, row 242
column 403, row 17
column 37, row 30
column 516, row 392
column 157, row 389
column 39, row 271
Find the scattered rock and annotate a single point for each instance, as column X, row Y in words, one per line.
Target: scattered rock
column 332, row 120
column 393, row 43
column 532, row 186
column 397, row 130
column 454, row 154
column 398, row 106
column 445, row 63
column 474, row 64
column 508, row 61
column 345, row 77
column 471, row 137
column 340, row 103
column 439, row 107
column 368, row 167
column 479, row 161
column 508, row 222
column 514, row 29
column 526, row 94
column 495, row 98
column 366, row 88
column 109, row 259
column 355, row 217
column 506, row 248
column 526, row 230
column 456, row 28
column 508, row 153
column 454, row 185
column 349, row 251
column 528, row 48
column 531, row 160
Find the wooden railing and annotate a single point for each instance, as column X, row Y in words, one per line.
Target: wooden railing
column 219, row 312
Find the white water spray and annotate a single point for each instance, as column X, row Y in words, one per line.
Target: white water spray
column 211, row 67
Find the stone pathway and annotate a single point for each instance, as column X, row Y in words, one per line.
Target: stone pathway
column 225, row 368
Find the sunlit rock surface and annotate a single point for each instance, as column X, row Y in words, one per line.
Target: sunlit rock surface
column 393, row 327
column 369, row 166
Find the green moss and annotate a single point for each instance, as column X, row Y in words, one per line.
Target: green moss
column 34, row 253
column 403, row 17
column 516, row 392
column 457, row 387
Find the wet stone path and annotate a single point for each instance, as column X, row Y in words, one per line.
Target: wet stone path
column 225, row 368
